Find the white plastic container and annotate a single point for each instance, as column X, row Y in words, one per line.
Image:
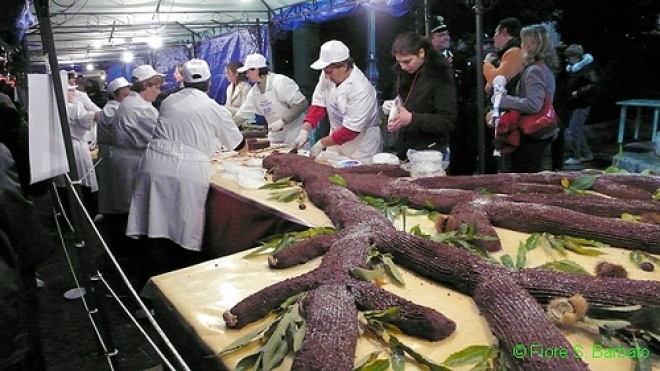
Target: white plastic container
column 426, row 163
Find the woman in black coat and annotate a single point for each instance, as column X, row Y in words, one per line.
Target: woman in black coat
column 427, row 94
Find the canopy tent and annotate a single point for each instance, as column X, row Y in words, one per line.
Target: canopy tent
column 99, row 31
column 96, row 31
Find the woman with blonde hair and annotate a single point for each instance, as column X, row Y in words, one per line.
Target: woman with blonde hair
column 537, row 81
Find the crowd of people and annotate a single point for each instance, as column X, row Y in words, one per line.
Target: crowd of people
column 152, row 176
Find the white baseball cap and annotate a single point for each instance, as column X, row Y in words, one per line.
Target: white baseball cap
column 332, row 51
column 255, row 60
column 117, row 84
column 196, row 70
column 144, row 72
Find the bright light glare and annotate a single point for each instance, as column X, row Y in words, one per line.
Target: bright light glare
column 97, row 44
column 127, row 57
column 90, row 67
column 155, row 42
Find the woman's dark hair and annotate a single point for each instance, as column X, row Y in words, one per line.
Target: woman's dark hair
column 233, row 66
column 263, row 71
column 410, row 43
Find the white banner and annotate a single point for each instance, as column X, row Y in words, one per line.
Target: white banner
column 46, row 142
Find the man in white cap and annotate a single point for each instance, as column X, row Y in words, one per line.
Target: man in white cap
column 132, row 129
column 346, row 95
column 168, row 204
column 276, row 97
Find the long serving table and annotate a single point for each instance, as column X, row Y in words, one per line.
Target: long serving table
column 639, row 103
column 189, row 303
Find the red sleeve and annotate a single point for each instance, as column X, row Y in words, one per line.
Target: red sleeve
column 314, row 115
column 344, row 135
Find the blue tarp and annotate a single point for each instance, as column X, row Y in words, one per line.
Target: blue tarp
column 318, row 11
column 217, row 52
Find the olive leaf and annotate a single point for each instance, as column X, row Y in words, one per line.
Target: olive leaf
column 615, row 170
column 376, row 365
column 565, row 265
column 243, row 340
column 367, row 274
column 279, row 242
column 281, row 183
column 416, row 356
column 636, row 257
column 521, row 255
column 286, row 196
column 579, row 185
column 387, row 315
column 393, row 271
column 630, row 218
column 248, row 362
column 641, row 363
column 398, row 359
column 563, row 243
column 507, row 261
column 366, row 359
column 417, row 231
column 338, row 180
column 471, row 354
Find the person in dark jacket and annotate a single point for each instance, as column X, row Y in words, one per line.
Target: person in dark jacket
column 427, row 95
column 23, row 245
column 580, row 86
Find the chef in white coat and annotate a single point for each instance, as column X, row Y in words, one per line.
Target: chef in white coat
column 118, row 89
column 133, row 128
column 84, row 99
column 81, row 121
column 168, row 204
column 346, row 95
column 276, row 97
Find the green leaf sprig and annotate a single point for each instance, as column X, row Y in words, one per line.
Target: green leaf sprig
column 465, row 237
column 279, row 242
column 485, row 357
column 379, row 266
column 579, row 185
column 279, row 338
column 376, row 324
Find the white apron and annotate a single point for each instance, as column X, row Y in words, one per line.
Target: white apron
column 362, row 147
column 125, row 163
column 268, row 106
column 170, row 194
column 84, row 163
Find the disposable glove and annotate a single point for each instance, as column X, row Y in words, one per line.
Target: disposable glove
column 302, row 138
column 387, row 106
column 276, row 126
column 316, row 149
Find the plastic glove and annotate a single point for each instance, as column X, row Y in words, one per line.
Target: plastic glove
column 302, row 138
column 276, row 126
column 316, row 149
column 387, row 106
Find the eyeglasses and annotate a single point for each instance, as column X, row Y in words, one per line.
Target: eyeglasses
column 333, row 66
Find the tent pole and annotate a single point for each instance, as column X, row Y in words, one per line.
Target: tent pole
column 372, row 67
column 87, row 266
column 481, row 129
